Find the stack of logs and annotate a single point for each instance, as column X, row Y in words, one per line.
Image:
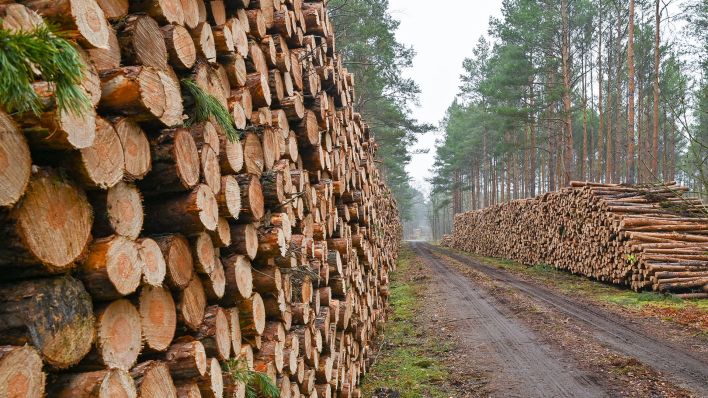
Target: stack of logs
column 140, row 256
column 651, row 236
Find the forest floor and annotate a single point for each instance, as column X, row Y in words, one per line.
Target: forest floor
column 466, row 326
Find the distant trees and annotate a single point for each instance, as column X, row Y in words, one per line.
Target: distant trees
column 576, row 89
column 366, row 39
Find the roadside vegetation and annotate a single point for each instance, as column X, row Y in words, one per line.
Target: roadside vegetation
column 409, row 361
column 693, row 313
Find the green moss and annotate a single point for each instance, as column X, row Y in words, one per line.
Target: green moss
column 407, row 362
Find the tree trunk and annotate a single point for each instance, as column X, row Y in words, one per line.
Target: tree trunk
column 630, row 104
column 567, row 113
column 657, row 61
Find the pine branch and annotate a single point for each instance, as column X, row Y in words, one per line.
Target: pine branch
column 56, row 60
column 206, row 106
column 257, row 384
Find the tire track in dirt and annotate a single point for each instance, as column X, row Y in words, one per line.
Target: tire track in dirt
column 517, row 362
column 686, row 368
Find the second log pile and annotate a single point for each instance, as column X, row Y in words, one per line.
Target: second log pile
column 645, row 237
column 139, row 256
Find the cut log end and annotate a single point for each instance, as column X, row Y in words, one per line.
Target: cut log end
column 158, row 317
column 53, row 220
column 118, row 334
column 21, row 372
column 15, row 162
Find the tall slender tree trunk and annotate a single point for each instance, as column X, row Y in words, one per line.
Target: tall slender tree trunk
column 568, row 117
column 609, row 161
column 584, row 160
column 657, row 60
column 599, row 102
column 641, row 137
column 616, row 156
column 532, row 166
column 630, row 100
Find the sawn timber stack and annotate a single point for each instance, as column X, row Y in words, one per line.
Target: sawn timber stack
column 645, row 237
column 140, row 255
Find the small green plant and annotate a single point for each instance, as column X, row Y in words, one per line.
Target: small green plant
column 206, row 106
column 632, row 259
column 257, row 384
column 42, row 50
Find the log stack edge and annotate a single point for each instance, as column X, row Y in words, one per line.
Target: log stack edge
column 139, row 255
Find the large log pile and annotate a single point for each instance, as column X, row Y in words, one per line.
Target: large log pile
column 645, row 237
column 141, row 255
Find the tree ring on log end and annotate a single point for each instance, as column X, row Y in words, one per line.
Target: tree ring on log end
column 15, row 162
column 119, row 334
column 54, row 220
column 21, row 372
column 158, row 316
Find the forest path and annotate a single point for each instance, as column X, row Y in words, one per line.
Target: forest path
column 541, row 370
column 516, row 362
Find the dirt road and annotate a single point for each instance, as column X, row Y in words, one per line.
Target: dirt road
column 519, row 361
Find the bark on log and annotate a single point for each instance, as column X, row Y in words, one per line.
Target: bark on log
column 56, row 315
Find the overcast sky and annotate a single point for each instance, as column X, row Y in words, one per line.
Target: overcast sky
column 443, row 33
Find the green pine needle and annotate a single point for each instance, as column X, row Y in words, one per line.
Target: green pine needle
column 205, row 106
column 54, row 57
column 257, row 384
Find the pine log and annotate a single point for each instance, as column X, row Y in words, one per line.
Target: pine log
column 118, row 210
column 136, row 148
column 191, row 304
column 141, row 42
column 56, row 315
column 174, row 109
column 252, row 315
column 244, row 240
column 118, row 337
column 180, row 267
column 176, row 165
column 15, row 162
column 187, row 213
column 98, row 384
column 239, row 279
column 51, row 226
column 134, row 91
column 21, row 372
column 222, row 236
column 158, row 317
column 153, row 379
column 180, row 47
column 186, row 360
column 109, row 57
column 252, row 202
column 114, row 9
column 83, row 18
column 165, row 11
column 112, row 268
column 212, row 384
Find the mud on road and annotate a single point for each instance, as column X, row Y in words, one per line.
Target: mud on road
column 542, row 343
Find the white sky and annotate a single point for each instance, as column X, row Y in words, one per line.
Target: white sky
column 443, row 33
